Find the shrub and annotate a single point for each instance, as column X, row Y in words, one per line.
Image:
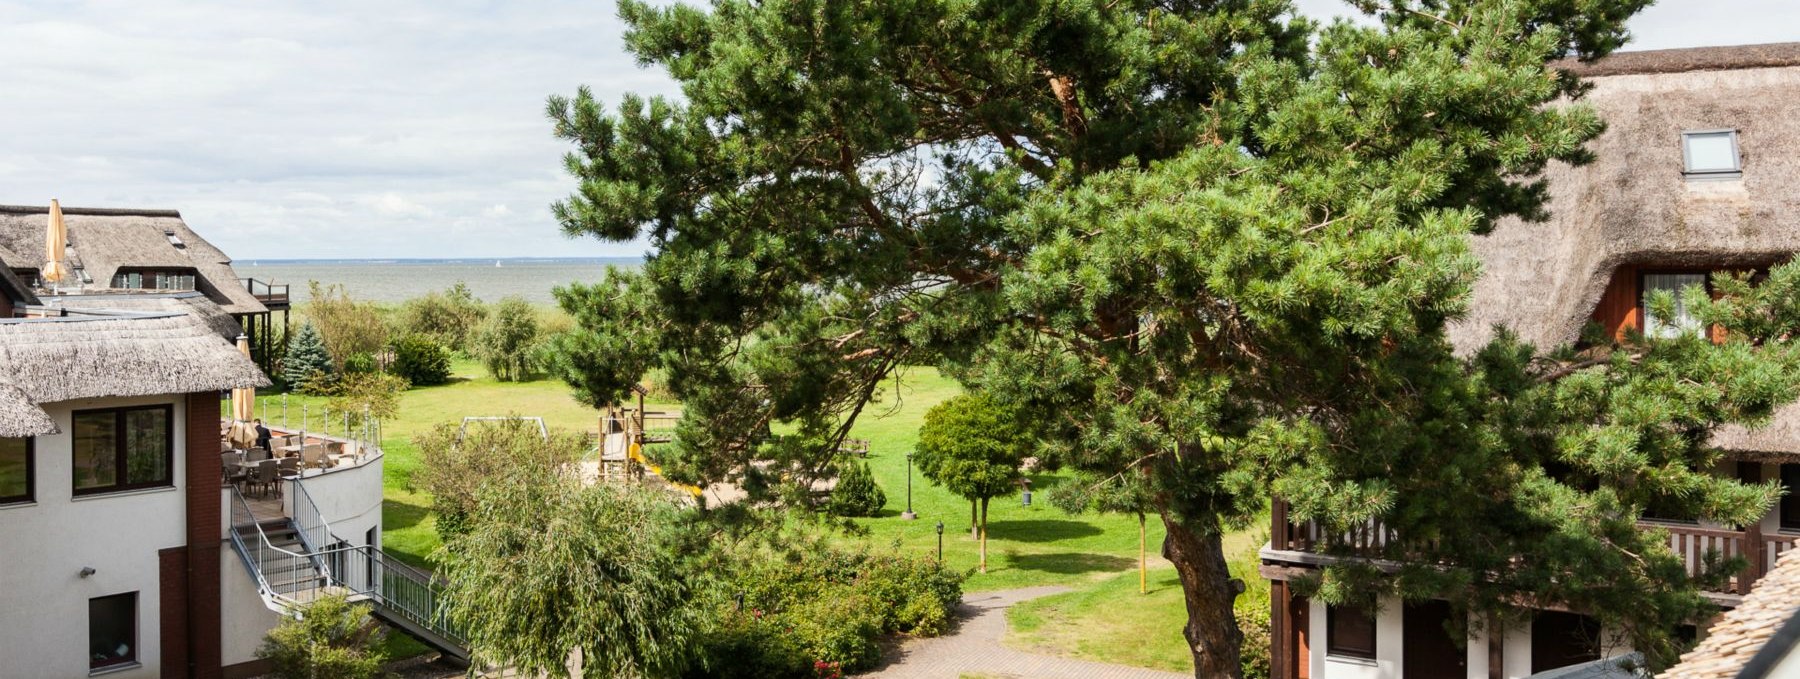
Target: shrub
column 349, row 327
column 421, row 360
column 359, row 364
column 308, row 365
column 449, row 318
column 508, row 342
column 329, row 637
column 458, row 464
column 370, row 395
column 856, row 493
column 822, row 609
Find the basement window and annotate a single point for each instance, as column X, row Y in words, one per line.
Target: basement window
column 112, row 631
column 1710, row 154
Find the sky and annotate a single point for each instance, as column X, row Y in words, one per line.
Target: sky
column 402, row 128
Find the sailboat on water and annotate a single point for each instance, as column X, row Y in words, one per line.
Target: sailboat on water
column 497, row 264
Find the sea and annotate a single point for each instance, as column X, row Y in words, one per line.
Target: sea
column 391, row 281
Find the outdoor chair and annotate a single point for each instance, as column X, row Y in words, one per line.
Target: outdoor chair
column 231, row 468
column 288, row 466
column 256, row 455
column 264, row 474
column 314, row 455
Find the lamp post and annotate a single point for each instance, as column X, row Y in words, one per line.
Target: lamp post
column 908, row 515
column 940, row 530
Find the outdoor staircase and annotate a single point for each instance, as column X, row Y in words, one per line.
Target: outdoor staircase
column 296, row 560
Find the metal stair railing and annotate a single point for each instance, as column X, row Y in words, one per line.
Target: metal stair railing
column 262, row 557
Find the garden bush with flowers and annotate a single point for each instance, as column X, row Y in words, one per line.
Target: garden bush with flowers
column 816, row 610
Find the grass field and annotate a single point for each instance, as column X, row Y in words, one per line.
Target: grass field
column 1037, row 545
column 409, row 531
column 1104, row 619
column 1111, row 622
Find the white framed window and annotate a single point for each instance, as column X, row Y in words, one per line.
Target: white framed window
column 1681, row 320
column 1710, row 154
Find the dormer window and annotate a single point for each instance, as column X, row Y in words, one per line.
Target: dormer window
column 1710, row 154
column 174, row 239
column 1681, row 320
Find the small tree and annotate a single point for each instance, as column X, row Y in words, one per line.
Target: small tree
column 856, row 493
column 421, row 360
column 1112, row 495
column 349, row 327
column 972, row 446
column 450, row 317
column 329, row 637
column 508, row 341
column 307, row 367
column 554, row 568
column 363, row 397
column 456, row 464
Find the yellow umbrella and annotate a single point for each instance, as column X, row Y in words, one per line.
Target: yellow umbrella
column 55, row 244
column 243, row 399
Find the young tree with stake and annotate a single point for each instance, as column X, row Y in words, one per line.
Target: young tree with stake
column 973, row 446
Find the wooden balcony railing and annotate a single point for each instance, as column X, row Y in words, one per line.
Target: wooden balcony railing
column 1690, row 542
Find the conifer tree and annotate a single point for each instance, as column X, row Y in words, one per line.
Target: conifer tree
column 307, row 359
column 1203, row 241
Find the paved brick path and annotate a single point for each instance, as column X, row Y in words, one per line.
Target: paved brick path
column 975, row 648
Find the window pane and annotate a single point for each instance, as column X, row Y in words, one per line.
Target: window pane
column 112, row 630
column 1710, row 152
column 15, row 469
column 1351, row 632
column 96, row 450
column 146, row 446
column 1682, row 322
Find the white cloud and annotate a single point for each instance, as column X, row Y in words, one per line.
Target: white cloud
column 396, row 129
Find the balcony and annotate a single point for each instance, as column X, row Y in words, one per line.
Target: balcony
column 1692, row 543
column 270, row 294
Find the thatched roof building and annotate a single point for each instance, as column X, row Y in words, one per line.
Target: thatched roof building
column 166, row 344
column 1760, row 638
column 19, row 417
column 102, row 242
column 1634, row 206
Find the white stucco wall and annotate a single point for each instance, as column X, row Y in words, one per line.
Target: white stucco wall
column 1388, row 633
column 44, row 546
column 349, row 499
column 243, row 617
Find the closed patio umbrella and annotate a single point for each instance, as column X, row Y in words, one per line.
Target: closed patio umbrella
column 56, row 242
column 243, row 399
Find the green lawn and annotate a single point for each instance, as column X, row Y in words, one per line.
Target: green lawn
column 1111, row 622
column 1027, row 546
column 408, row 526
column 1104, row 619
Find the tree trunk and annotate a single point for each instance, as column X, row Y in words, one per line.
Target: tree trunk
column 984, row 503
column 974, row 524
column 1143, row 586
column 1206, row 584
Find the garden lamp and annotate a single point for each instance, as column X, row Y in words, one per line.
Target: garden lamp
column 908, row 515
column 940, row 531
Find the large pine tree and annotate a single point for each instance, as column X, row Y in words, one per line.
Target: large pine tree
column 1202, row 241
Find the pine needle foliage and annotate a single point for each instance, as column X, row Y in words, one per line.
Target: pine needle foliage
column 1207, row 242
column 307, row 367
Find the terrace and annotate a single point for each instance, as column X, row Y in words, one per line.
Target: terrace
column 272, row 295
column 298, row 456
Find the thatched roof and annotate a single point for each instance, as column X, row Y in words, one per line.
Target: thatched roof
column 19, row 417
column 90, row 354
column 1633, row 206
column 1745, row 632
column 191, row 303
column 11, row 287
column 105, row 240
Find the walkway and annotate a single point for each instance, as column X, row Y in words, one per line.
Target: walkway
column 976, row 649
